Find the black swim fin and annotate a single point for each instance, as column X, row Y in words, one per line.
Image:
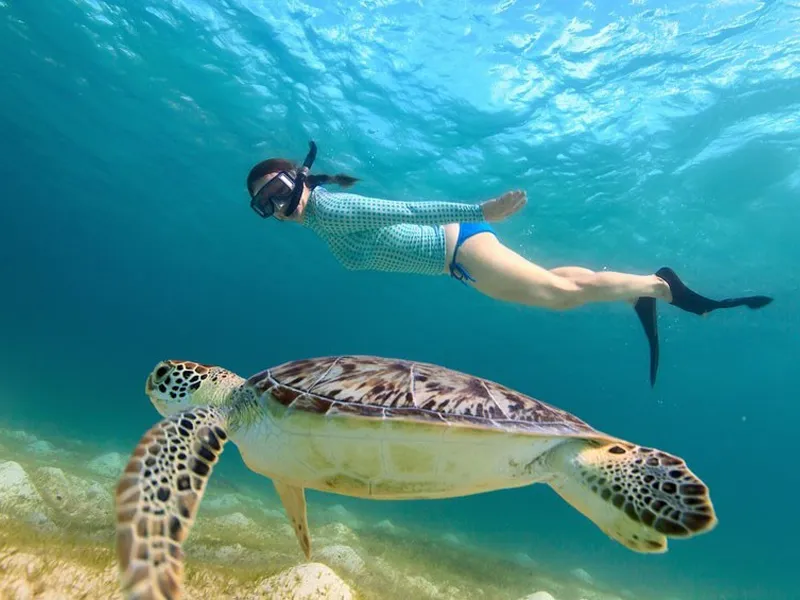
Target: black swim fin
column 688, row 300
column 646, row 311
column 691, row 301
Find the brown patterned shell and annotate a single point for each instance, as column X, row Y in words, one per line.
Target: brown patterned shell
column 374, row 387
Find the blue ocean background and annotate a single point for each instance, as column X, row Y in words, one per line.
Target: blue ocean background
column 645, row 133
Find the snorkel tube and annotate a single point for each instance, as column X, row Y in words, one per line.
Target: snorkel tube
column 299, row 182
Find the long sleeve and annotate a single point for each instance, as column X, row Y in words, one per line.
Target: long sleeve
column 346, row 213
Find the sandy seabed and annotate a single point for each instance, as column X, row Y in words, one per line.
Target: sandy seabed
column 57, row 541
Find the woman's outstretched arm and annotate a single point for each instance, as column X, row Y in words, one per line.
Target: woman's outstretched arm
column 346, row 212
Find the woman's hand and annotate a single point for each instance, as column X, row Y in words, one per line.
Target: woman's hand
column 504, row 206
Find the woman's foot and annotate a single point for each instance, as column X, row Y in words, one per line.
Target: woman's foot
column 691, row 301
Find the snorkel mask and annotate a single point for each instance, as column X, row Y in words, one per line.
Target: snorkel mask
column 283, row 192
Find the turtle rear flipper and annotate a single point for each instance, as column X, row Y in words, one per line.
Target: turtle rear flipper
column 637, row 496
column 293, row 499
column 157, row 499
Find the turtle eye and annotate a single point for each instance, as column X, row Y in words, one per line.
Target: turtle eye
column 162, row 371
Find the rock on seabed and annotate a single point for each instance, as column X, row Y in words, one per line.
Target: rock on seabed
column 18, row 496
column 539, row 596
column 312, row 581
column 108, row 465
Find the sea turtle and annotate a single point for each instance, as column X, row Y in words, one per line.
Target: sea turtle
column 379, row 428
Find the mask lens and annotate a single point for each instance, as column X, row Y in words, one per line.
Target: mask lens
column 272, row 192
column 263, row 206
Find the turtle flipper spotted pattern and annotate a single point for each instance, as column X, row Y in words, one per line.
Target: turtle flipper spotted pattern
column 157, row 499
column 638, row 496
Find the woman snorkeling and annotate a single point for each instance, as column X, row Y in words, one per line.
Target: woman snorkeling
column 436, row 238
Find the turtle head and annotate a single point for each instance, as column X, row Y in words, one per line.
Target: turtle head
column 175, row 385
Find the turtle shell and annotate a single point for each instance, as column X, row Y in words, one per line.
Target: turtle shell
column 382, row 388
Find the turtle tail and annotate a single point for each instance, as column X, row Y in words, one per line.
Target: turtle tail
column 637, row 496
column 157, row 499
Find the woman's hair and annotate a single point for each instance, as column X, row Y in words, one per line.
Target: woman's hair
column 273, row 165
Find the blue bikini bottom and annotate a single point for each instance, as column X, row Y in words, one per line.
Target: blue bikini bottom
column 466, row 231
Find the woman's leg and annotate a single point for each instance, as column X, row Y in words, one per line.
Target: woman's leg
column 582, row 274
column 501, row 273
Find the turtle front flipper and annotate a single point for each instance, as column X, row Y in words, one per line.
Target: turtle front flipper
column 293, row 499
column 637, row 496
column 157, row 499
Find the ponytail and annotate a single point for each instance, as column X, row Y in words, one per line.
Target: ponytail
column 273, row 165
column 341, row 180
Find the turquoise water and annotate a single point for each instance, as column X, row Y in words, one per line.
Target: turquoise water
column 645, row 134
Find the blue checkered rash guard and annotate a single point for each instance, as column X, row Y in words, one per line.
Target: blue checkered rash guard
column 385, row 235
